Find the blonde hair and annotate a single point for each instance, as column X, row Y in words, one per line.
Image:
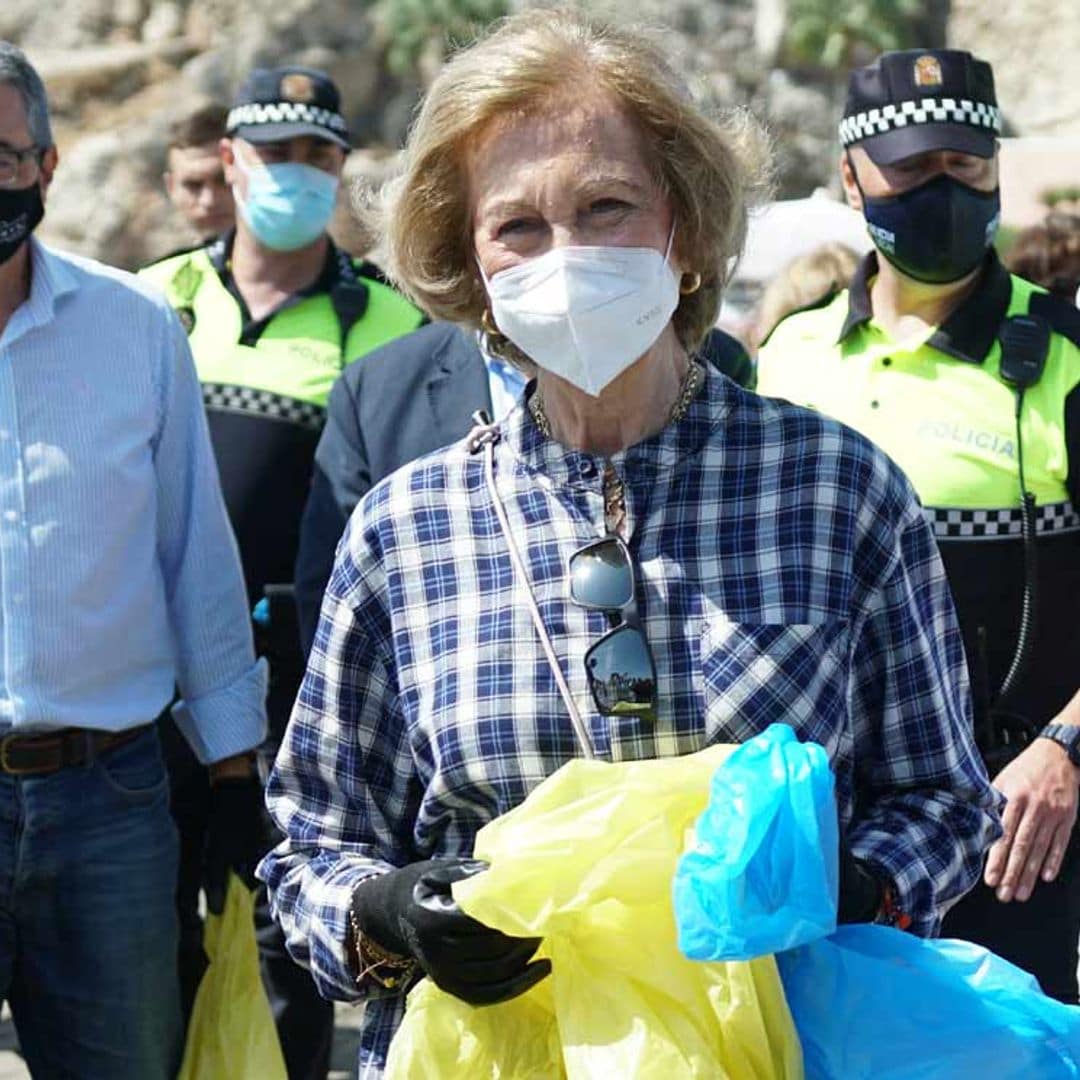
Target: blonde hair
column 710, row 171
column 806, row 279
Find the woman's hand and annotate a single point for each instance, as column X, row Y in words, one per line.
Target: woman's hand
column 411, row 912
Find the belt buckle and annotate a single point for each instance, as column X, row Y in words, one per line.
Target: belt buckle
column 5, row 766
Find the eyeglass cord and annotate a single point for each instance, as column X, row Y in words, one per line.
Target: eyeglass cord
column 485, row 435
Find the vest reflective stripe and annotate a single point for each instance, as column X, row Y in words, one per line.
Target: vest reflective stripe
column 225, row 397
column 959, row 523
column 298, row 355
column 949, row 424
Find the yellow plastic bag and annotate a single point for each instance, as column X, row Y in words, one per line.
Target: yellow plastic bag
column 587, row 863
column 231, row 1035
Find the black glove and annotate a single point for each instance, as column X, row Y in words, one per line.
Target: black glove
column 861, row 891
column 234, row 836
column 411, row 912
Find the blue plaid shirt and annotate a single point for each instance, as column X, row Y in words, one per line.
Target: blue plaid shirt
column 785, row 572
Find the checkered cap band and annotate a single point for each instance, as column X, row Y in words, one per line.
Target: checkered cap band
column 928, row 110
column 960, row 524
column 247, row 399
column 284, row 112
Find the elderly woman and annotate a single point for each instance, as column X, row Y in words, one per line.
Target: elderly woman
column 640, row 560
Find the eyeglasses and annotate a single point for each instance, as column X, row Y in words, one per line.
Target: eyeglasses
column 11, row 164
column 620, row 666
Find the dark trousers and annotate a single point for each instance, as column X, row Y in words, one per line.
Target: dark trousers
column 87, row 923
column 1039, row 935
column 305, row 1022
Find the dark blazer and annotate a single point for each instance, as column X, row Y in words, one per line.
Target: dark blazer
column 406, row 399
column 409, row 398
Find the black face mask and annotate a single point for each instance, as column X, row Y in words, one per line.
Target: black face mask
column 937, row 232
column 21, row 211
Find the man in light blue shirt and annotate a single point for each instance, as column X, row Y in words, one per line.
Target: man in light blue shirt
column 119, row 580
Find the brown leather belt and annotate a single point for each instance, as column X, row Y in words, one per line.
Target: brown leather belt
column 48, row 752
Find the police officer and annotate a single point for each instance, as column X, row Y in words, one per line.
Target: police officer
column 970, row 379
column 274, row 311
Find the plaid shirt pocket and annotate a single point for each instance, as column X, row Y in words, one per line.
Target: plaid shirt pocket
column 760, row 673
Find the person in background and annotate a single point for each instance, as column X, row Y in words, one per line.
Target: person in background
column 413, row 396
column 194, row 174
column 1049, row 255
column 969, row 378
column 562, row 190
column 119, row 580
column 274, row 311
column 809, row 280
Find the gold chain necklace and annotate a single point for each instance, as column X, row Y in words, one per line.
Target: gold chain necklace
column 688, row 390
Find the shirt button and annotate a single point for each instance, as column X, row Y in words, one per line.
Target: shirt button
column 11, row 515
column 886, row 362
column 587, row 469
column 874, row 404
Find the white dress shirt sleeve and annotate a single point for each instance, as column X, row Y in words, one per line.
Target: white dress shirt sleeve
column 223, row 688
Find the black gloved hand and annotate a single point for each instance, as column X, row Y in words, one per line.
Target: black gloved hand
column 861, row 891
column 233, row 838
column 411, row 912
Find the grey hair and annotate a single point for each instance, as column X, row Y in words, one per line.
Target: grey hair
column 17, row 71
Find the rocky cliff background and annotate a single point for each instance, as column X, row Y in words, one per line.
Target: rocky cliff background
column 118, row 71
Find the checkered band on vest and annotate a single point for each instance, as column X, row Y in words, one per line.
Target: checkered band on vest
column 247, row 399
column 282, row 112
column 923, row 111
column 959, row 524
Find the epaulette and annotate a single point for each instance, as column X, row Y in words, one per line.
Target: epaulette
column 1063, row 317
column 824, row 300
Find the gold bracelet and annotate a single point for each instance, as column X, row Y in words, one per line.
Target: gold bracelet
column 371, row 957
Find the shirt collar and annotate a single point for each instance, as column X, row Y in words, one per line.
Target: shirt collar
column 666, row 450
column 50, row 279
column 337, row 268
column 970, row 330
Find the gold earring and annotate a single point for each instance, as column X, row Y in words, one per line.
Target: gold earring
column 691, row 286
column 487, row 323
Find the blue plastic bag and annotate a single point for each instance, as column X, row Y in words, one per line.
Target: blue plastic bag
column 761, row 875
column 869, row 1002
column 876, row 1002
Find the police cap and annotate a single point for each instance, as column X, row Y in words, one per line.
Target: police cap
column 282, row 103
column 916, row 100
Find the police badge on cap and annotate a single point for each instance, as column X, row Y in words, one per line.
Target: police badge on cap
column 298, row 86
column 282, row 103
column 928, row 71
column 909, row 102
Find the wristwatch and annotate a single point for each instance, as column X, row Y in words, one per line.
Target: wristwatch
column 1067, row 736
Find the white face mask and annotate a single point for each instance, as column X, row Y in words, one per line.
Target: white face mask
column 586, row 313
